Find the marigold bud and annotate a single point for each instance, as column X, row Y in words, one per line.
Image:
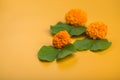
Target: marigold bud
column 76, row 17
column 97, row 30
column 61, row 39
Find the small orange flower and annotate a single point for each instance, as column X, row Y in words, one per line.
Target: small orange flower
column 97, row 30
column 61, row 39
column 76, row 17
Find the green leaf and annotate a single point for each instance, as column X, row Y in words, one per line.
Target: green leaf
column 67, row 50
column 72, row 30
column 59, row 27
column 76, row 31
column 48, row 53
column 84, row 44
column 100, row 45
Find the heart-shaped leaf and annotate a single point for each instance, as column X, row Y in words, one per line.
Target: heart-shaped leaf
column 76, row 31
column 67, row 50
column 84, row 44
column 100, row 45
column 48, row 53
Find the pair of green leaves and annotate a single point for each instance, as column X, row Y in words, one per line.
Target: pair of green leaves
column 72, row 30
column 93, row 45
column 49, row 53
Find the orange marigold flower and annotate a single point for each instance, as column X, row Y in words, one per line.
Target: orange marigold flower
column 97, row 30
column 76, row 17
column 61, row 39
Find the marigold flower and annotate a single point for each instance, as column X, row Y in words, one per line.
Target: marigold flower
column 61, row 39
column 76, row 17
column 97, row 30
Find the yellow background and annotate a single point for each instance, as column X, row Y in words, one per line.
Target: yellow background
column 25, row 27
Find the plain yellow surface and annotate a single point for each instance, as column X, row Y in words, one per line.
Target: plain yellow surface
column 25, row 27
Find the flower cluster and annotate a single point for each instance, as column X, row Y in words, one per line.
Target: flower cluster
column 76, row 17
column 61, row 39
column 97, row 30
